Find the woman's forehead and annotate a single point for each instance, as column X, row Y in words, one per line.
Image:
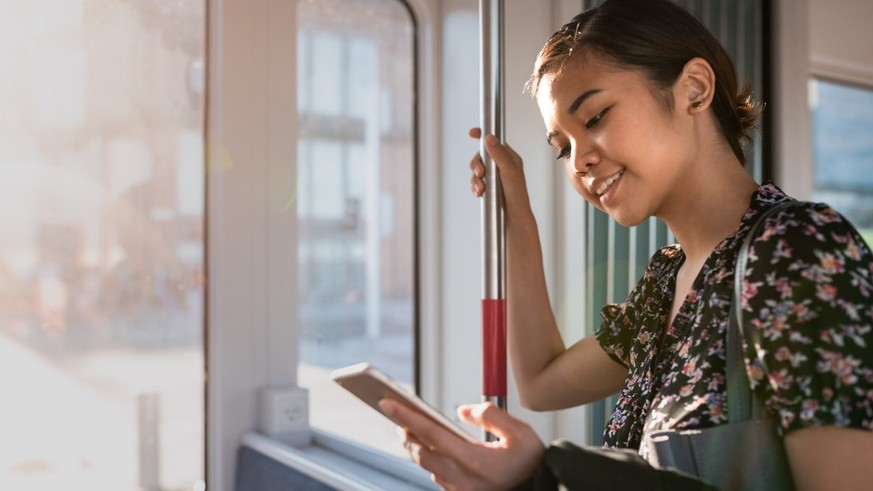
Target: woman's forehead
column 582, row 75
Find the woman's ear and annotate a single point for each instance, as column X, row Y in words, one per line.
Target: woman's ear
column 698, row 84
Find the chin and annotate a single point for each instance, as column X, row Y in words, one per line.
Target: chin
column 627, row 219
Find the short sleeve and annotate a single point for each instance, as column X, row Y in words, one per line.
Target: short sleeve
column 634, row 320
column 808, row 304
column 613, row 336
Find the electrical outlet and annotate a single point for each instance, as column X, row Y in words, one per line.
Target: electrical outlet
column 284, row 414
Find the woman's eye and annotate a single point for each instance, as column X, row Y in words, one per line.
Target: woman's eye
column 596, row 119
column 564, row 152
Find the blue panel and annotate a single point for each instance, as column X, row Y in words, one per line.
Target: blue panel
column 257, row 472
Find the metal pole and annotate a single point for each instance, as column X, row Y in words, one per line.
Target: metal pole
column 493, row 243
column 149, row 416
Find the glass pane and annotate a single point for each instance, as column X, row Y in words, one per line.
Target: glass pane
column 842, row 123
column 355, row 174
column 101, row 254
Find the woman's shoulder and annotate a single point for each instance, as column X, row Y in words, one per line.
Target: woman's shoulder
column 807, row 231
column 808, row 304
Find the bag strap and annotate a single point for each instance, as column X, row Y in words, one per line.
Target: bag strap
column 743, row 403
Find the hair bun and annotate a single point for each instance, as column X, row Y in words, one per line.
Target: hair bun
column 748, row 111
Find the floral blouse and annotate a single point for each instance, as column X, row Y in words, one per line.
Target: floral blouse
column 808, row 289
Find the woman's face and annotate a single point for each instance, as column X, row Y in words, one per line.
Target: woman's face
column 622, row 151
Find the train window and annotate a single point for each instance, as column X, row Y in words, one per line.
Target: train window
column 356, row 204
column 842, row 122
column 101, row 254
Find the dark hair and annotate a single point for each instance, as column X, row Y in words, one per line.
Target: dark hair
column 658, row 38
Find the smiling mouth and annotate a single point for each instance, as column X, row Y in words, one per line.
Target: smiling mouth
column 608, row 184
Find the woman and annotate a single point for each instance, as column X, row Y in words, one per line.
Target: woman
column 641, row 104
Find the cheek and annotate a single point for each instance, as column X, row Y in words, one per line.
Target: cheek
column 577, row 185
column 624, row 139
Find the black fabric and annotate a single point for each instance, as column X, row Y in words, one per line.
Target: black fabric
column 567, row 466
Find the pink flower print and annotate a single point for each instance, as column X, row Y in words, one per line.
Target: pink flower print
column 689, row 367
column 798, row 358
column 716, row 411
column 683, row 349
column 716, row 381
column 852, row 250
column 778, row 326
column 851, row 310
column 826, row 292
column 801, row 311
column 827, row 394
column 828, row 215
column 781, row 379
column 782, row 251
column 768, row 232
column 842, row 367
column 808, row 409
column 644, row 337
column 783, row 354
column 787, row 418
column 831, row 264
column 750, row 290
column 783, row 286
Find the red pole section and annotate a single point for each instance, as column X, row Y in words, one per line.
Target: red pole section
column 494, row 348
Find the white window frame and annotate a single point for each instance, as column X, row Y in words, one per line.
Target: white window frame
column 792, row 125
column 251, row 242
column 796, row 65
column 251, row 250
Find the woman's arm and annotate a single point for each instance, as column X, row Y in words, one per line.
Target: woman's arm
column 831, row 457
column 548, row 375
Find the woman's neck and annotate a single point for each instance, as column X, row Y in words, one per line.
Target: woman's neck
column 709, row 207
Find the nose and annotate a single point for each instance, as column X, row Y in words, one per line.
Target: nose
column 584, row 157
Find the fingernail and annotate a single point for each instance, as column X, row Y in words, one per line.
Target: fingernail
column 491, row 139
column 386, row 406
column 414, row 450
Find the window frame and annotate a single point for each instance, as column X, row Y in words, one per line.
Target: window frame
column 796, row 65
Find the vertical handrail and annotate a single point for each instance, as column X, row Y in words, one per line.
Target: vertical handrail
column 493, row 246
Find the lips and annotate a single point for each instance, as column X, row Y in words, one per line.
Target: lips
column 599, row 187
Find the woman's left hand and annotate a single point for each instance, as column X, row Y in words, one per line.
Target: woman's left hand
column 457, row 464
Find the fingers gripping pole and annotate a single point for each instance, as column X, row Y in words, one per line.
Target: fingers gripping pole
column 493, row 243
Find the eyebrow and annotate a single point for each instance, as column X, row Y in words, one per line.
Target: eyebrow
column 584, row 96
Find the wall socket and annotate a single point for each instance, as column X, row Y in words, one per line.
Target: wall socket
column 283, row 414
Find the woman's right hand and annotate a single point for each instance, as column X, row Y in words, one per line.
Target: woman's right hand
column 510, row 167
column 460, row 465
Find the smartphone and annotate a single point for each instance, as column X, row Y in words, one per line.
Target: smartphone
column 370, row 385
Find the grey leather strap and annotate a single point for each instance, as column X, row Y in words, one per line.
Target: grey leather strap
column 743, row 404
